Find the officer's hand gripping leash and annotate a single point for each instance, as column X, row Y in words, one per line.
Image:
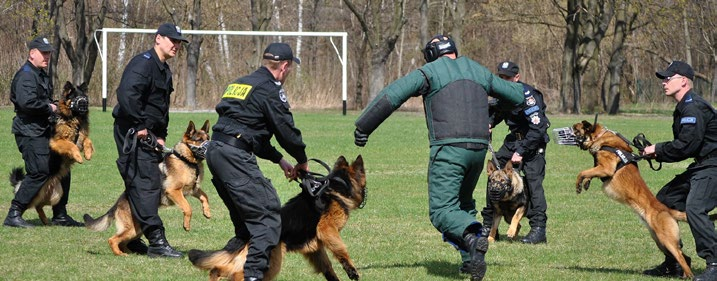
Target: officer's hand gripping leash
column 640, row 142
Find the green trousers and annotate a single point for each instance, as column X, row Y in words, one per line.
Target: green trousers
column 452, row 176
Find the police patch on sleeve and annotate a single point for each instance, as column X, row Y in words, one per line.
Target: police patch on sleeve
column 282, row 95
column 688, row 120
column 535, row 118
column 531, row 110
column 237, row 91
column 530, row 101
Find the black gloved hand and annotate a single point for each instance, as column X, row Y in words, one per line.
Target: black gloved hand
column 360, row 138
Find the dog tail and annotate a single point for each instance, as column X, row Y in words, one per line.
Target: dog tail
column 16, row 176
column 103, row 222
column 208, row 260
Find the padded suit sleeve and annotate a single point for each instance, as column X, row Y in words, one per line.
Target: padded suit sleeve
column 388, row 100
column 509, row 92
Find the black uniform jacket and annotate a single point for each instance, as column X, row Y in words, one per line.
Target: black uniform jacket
column 694, row 129
column 254, row 108
column 527, row 123
column 143, row 94
column 31, row 93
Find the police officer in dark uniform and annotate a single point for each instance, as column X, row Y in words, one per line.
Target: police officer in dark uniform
column 253, row 109
column 525, row 147
column 33, row 126
column 694, row 129
column 142, row 116
column 455, row 94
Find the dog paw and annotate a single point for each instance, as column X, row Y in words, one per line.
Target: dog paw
column 353, row 274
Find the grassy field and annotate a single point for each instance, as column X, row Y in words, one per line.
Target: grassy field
column 589, row 236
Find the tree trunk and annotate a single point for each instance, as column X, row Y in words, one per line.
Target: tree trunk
column 568, row 62
column 193, row 52
column 83, row 52
column 610, row 94
column 260, row 18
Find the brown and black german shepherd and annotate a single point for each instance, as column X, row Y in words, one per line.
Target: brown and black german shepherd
column 626, row 185
column 70, row 138
column 182, row 170
column 305, row 229
column 508, row 198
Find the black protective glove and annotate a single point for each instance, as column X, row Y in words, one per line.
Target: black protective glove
column 360, row 138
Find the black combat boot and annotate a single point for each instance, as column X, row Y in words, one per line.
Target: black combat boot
column 65, row 220
column 535, row 236
column 14, row 218
column 668, row 268
column 710, row 273
column 234, row 244
column 159, row 247
column 137, row 246
column 477, row 247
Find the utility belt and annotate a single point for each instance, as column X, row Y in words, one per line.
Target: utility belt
column 712, row 154
column 237, row 142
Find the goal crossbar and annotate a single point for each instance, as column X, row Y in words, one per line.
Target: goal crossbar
column 342, row 55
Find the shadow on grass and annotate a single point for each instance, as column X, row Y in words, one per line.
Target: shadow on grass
column 434, row 268
column 603, row 270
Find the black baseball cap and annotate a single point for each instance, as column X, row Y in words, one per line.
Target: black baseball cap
column 508, row 68
column 280, row 51
column 171, row 31
column 677, row 67
column 41, row 44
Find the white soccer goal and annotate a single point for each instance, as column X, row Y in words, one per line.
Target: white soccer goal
column 342, row 55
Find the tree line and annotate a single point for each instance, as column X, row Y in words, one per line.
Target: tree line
column 586, row 56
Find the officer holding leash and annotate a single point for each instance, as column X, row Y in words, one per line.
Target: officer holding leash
column 253, row 109
column 33, row 126
column 694, row 129
column 142, row 113
column 525, row 147
column 455, row 95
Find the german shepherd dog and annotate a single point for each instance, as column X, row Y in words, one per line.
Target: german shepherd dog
column 625, row 185
column 70, row 138
column 308, row 227
column 508, row 198
column 182, row 170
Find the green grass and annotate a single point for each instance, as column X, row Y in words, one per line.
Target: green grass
column 589, row 236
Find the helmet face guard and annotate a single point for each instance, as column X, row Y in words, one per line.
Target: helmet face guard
column 434, row 50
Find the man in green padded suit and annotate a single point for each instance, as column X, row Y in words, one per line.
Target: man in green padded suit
column 455, row 94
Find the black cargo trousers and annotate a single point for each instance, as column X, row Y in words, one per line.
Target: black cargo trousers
column 251, row 199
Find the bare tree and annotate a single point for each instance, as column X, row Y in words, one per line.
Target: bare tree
column 193, row 52
column 610, row 93
column 82, row 51
column 380, row 32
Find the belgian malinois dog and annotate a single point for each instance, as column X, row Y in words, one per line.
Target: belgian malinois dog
column 308, row 227
column 182, row 170
column 623, row 183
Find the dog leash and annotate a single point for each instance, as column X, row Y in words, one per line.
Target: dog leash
column 640, row 142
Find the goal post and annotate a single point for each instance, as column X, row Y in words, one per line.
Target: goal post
column 342, row 55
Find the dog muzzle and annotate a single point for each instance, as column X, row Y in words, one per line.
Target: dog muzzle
column 199, row 151
column 565, row 136
column 80, row 105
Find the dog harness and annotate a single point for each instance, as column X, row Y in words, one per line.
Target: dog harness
column 624, row 156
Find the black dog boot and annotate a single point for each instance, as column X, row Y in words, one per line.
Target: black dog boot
column 137, row 246
column 159, row 247
column 710, row 273
column 535, row 236
column 668, row 268
column 14, row 218
column 477, row 247
column 65, row 220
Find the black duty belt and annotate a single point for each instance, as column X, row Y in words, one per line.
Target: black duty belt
column 231, row 140
column 712, row 154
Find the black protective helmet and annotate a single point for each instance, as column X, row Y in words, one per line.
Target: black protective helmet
column 434, row 50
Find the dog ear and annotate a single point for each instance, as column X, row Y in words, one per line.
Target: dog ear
column 341, row 163
column 205, row 127
column 83, row 87
column 68, row 88
column 190, row 128
column 491, row 167
column 359, row 173
column 508, row 167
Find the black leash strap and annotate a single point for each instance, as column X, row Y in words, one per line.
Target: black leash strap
column 640, row 142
